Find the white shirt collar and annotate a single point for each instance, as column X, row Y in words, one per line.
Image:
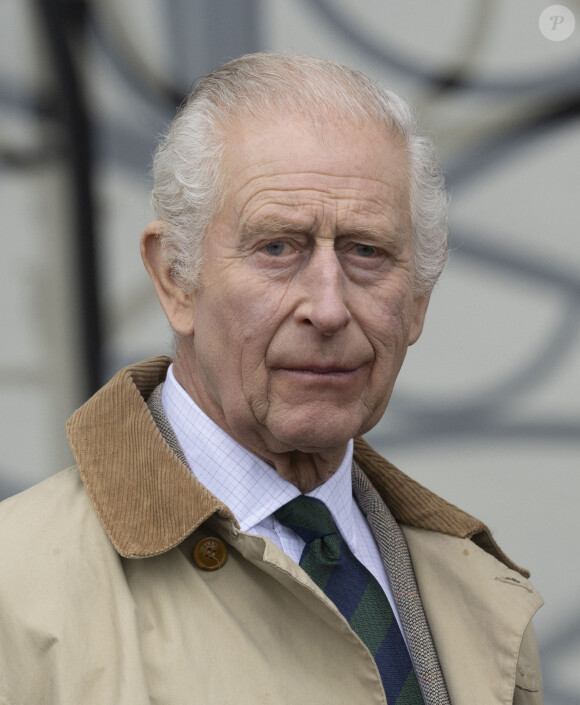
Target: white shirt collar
column 250, row 487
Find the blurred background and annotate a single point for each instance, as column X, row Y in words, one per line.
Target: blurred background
column 486, row 412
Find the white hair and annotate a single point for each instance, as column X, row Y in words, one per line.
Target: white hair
column 189, row 181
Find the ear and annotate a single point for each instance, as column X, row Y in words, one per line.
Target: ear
column 178, row 305
column 420, row 305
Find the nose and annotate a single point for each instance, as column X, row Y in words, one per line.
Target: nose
column 322, row 301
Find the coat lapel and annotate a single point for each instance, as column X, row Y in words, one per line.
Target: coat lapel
column 466, row 592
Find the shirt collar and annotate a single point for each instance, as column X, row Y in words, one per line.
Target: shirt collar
column 249, row 486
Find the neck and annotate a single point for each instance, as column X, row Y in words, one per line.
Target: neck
column 306, row 470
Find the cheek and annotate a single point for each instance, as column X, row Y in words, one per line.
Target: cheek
column 389, row 315
column 237, row 329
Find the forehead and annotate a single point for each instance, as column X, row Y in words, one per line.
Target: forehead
column 289, row 159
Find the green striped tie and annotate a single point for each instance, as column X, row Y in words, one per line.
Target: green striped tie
column 329, row 562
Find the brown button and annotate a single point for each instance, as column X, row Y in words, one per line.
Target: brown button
column 210, row 553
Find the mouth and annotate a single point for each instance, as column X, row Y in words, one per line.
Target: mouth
column 317, row 370
column 323, row 373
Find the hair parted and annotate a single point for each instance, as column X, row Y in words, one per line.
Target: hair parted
column 189, row 179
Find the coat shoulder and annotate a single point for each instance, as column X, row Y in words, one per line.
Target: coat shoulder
column 58, row 573
column 50, row 532
column 43, row 513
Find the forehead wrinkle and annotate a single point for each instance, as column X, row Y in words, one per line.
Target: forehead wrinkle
column 390, row 176
column 352, row 200
column 292, row 205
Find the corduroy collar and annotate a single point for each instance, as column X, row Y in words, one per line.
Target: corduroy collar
column 148, row 501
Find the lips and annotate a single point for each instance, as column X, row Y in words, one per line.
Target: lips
column 319, row 370
column 320, row 374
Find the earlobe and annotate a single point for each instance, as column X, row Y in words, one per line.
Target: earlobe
column 177, row 304
column 420, row 305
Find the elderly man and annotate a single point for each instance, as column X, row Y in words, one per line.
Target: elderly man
column 226, row 535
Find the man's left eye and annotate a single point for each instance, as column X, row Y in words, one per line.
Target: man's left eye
column 365, row 250
column 276, row 248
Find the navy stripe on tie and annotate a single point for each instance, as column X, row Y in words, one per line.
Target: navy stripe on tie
column 357, row 584
column 393, row 658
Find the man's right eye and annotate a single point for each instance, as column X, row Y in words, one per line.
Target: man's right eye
column 276, row 248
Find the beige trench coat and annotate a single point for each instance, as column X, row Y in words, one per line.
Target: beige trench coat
column 101, row 602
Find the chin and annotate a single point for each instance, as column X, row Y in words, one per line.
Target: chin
column 314, row 435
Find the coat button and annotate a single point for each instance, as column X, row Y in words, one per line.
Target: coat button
column 210, row 553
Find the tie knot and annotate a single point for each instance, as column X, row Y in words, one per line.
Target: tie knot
column 308, row 517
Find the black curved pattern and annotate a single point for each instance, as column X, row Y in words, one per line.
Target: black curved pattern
column 390, row 58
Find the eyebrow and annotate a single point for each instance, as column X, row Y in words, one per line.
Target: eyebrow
column 269, row 225
column 365, row 231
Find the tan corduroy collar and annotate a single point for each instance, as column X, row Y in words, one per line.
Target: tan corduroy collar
column 148, row 501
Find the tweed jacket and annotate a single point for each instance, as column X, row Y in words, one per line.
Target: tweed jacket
column 102, row 602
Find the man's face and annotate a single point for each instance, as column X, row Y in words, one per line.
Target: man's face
column 306, row 304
